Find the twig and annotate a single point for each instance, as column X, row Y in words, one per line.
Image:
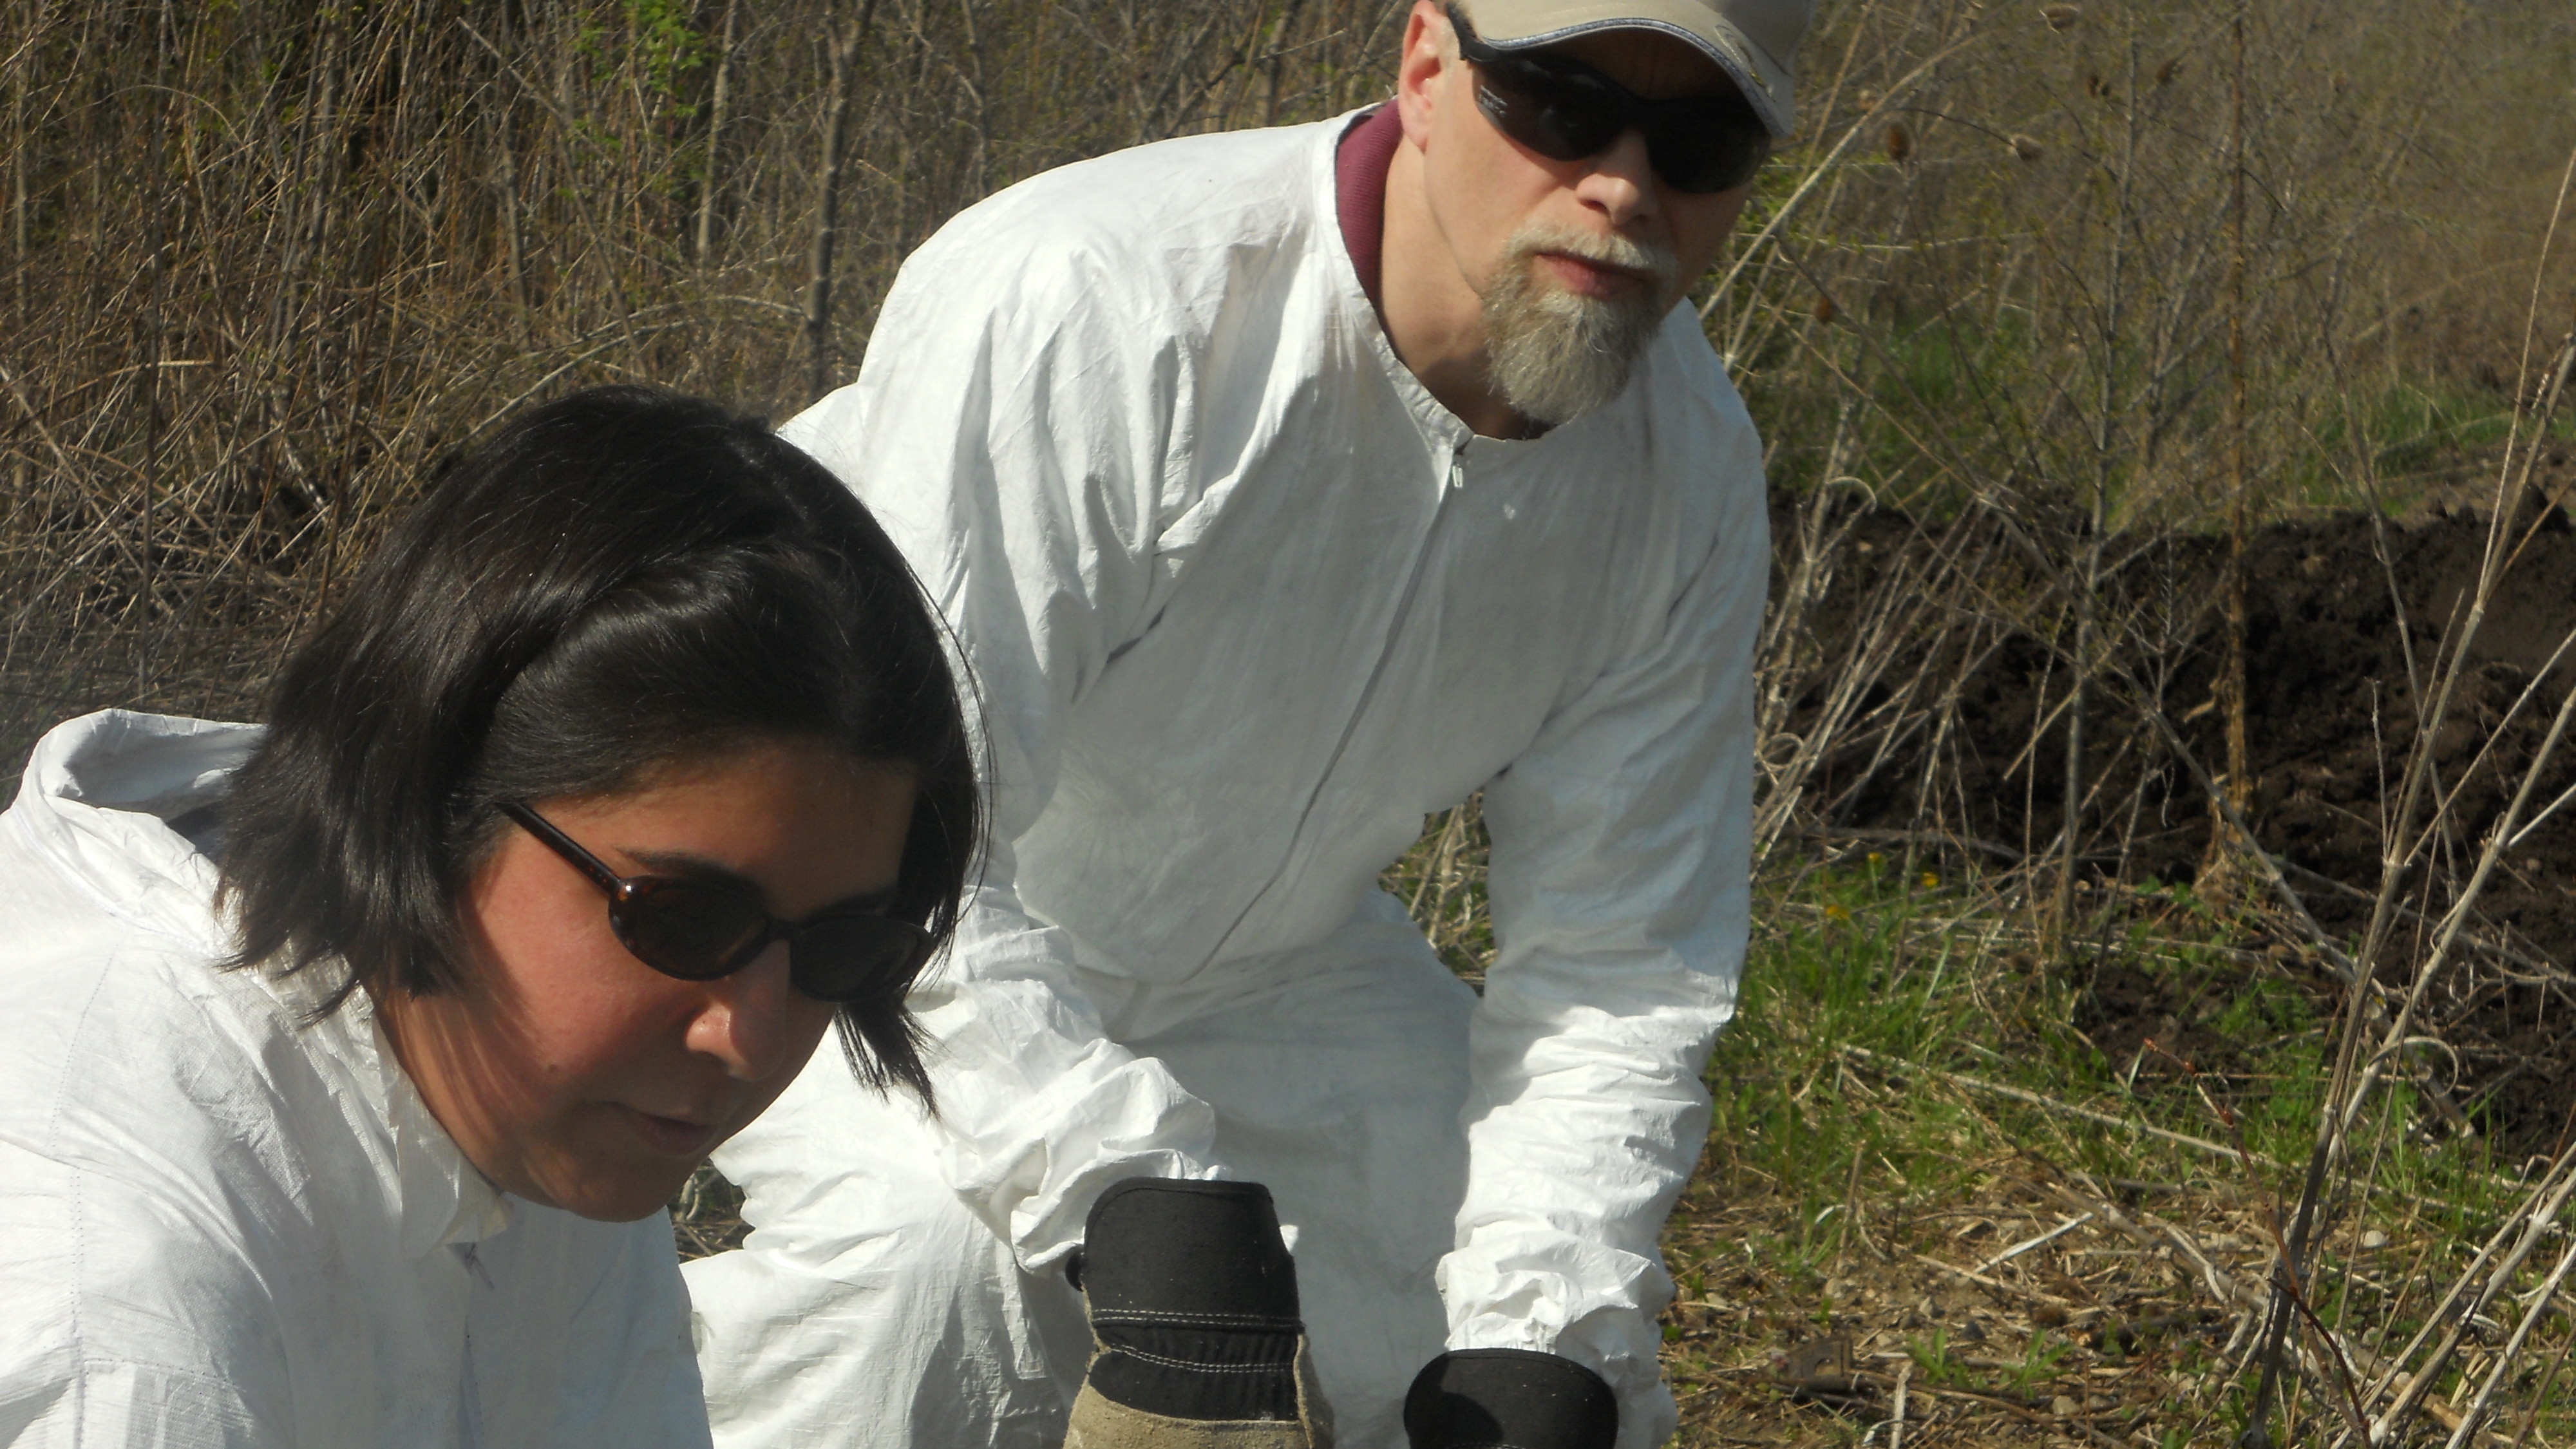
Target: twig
column 1745, row 253
column 1896, row 1411
column 1997, row 1284
column 2511, row 1353
column 2051, row 1104
column 2025, row 1245
column 1922, row 837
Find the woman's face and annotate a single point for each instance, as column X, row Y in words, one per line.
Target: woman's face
column 571, row 1073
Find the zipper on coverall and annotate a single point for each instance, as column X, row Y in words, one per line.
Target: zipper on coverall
column 1450, row 483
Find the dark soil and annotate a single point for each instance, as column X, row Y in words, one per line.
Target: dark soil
column 2338, row 647
column 2156, row 1024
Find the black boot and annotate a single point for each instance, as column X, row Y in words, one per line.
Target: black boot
column 1509, row 1398
column 1193, row 1302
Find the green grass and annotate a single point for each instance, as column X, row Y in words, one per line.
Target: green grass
column 1831, row 1175
column 1836, row 1185
column 2415, row 435
column 1945, row 390
column 1858, row 957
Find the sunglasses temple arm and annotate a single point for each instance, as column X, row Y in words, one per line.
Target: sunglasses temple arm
column 569, row 848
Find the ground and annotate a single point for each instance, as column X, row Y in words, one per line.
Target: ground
column 2347, row 614
column 1982, row 1174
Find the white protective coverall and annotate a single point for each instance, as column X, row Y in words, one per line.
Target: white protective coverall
column 221, row 1227
column 1245, row 603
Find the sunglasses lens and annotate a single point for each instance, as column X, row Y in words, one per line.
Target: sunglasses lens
column 1555, row 115
column 1704, row 155
column 852, row 958
column 696, row 933
column 1566, row 113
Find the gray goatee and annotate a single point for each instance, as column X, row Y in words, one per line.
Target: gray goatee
column 1554, row 354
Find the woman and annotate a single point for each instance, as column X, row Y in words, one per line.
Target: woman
column 349, row 1063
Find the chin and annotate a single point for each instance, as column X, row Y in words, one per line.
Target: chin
column 623, row 1194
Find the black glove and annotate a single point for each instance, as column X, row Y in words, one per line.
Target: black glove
column 1509, row 1398
column 1193, row 1302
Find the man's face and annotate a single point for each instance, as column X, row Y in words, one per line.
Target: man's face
column 1576, row 262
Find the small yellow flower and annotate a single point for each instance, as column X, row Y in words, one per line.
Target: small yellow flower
column 1930, row 880
column 1837, row 913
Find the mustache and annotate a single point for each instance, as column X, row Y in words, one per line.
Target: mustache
column 1610, row 249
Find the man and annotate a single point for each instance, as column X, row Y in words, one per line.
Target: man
column 1283, row 487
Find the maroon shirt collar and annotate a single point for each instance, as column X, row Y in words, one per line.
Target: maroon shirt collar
column 1360, row 164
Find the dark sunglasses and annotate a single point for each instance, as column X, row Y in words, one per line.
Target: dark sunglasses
column 1565, row 110
column 699, row 931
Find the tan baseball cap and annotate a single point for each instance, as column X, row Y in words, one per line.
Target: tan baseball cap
column 1754, row 41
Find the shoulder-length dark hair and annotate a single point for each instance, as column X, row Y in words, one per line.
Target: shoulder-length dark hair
column 619, row 579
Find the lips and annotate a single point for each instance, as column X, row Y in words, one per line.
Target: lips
column 1586, row 277
column 676, row 1136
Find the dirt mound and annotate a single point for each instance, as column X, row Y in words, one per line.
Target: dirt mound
column 1969, row 733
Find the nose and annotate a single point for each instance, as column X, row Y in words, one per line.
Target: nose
column 745, row 1020
column 1621, row 181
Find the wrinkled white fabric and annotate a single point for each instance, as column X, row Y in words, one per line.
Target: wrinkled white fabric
column 1245, row 603
column 220, row 1227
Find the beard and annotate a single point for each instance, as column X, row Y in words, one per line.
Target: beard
column 1553, row 354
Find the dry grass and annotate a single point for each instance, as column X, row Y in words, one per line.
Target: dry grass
column 1925, row 1170
column 266, row 262
column 2051, row 278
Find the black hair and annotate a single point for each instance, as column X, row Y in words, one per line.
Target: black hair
column 620, row 579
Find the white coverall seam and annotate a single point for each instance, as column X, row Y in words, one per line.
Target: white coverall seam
column 1387, row 644
column 79, row 1194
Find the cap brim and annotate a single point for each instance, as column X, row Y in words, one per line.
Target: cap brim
column 1525, row 24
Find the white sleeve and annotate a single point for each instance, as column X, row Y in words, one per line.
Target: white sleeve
column 1012, row 429
column 119, row 1332
column 1620, row 887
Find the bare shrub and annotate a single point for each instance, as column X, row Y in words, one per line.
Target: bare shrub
column 2039, row 291
column 267, row 261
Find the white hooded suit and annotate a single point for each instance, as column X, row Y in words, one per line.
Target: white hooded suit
column 222, row 1226
column 1245, row 603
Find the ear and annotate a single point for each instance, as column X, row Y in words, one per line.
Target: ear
column 1421, row 67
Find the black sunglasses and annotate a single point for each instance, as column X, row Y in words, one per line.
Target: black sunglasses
column 699, row 931
column 1565, row 110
